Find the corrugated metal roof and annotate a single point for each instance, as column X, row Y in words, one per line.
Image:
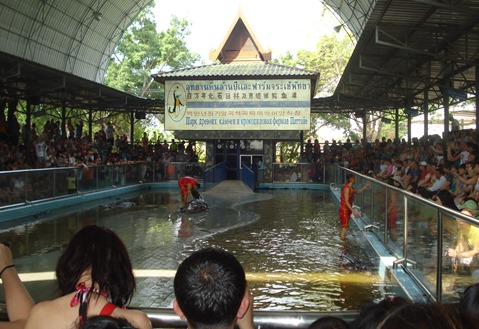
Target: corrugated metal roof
column 77, row 37
column 409, row 54
column 353, row 13
column 236, row 70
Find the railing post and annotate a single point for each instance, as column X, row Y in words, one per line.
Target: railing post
column 386, row 228
column 54, row 183
column 440, row 249
column 404, row 259
column 25, row 186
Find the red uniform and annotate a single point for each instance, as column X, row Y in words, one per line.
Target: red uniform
column 344, row 211
column 183, row 184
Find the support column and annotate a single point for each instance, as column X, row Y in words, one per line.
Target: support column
column 446, row 116
column 90, row 124
column 396, row 124
column 64, row 121
column 426, row 112
column 301, row 141
column 268, row 155
column 365, row 131
column 28, row 133
column 132, row 128
column 365, row 136
column 409, row 141
column 477, row 103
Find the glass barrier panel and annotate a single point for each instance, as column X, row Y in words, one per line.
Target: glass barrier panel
column 104, row 177
column 460, row 266
column 287, row 172
column 367, row 203
column 118, row 175
column 379, row 211
column 148, row 172
column 87, row 178
column 158, row 171
column 65, row 180
column 194, row 169
column 170, row 171
column 12, row 188
column 395, row 220
column 305, row 172
column 422, row 242
column 330, row 174
column 40, row 184
column 132, row 172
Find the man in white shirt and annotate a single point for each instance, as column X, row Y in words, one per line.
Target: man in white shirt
column 438, row 181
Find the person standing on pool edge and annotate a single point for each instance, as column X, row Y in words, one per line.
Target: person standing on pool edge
column 186, row 185
column 346, row 204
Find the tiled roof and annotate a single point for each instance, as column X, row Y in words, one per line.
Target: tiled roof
column 237, row 70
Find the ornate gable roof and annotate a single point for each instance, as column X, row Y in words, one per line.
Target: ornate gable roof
column 240, row 44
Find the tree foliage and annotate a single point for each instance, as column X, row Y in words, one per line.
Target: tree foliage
column 329, row 59
column 142, row 52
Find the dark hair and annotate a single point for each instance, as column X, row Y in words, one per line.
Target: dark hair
column 424, row 316
column 106, row 322
column 329, row 322
column 469, row 301
column 349, row 176
column 209, row 287
column 198, row 185
column 372, row 314
column 447, row 199
column 101, row 250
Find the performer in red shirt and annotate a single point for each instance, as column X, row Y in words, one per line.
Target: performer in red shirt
column 346, row 204
column 187, row 184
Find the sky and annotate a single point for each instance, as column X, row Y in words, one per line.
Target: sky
column 279, row 25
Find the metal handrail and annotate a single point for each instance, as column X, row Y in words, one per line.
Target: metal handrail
column 166, row 318
column 404, row 260
column 248, row 176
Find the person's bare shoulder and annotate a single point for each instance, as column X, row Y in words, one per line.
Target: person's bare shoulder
column 37, row 315
column 51, row 314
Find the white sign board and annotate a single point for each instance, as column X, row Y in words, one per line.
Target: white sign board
column 238, row 105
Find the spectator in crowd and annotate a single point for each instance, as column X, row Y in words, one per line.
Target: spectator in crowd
column 471, row 179
column 329, row 322
column 106, row 322
column 454, row 123
column 211, row 291
column 446, row 199
column 372, row 314
column 457, row 186
column 17, row 299
column 464, row 253
column 424, row 316
column 95, row 277
column 469, row 302
column 435, row 185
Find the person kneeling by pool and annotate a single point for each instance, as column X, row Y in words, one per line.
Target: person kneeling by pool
column 186, row 185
